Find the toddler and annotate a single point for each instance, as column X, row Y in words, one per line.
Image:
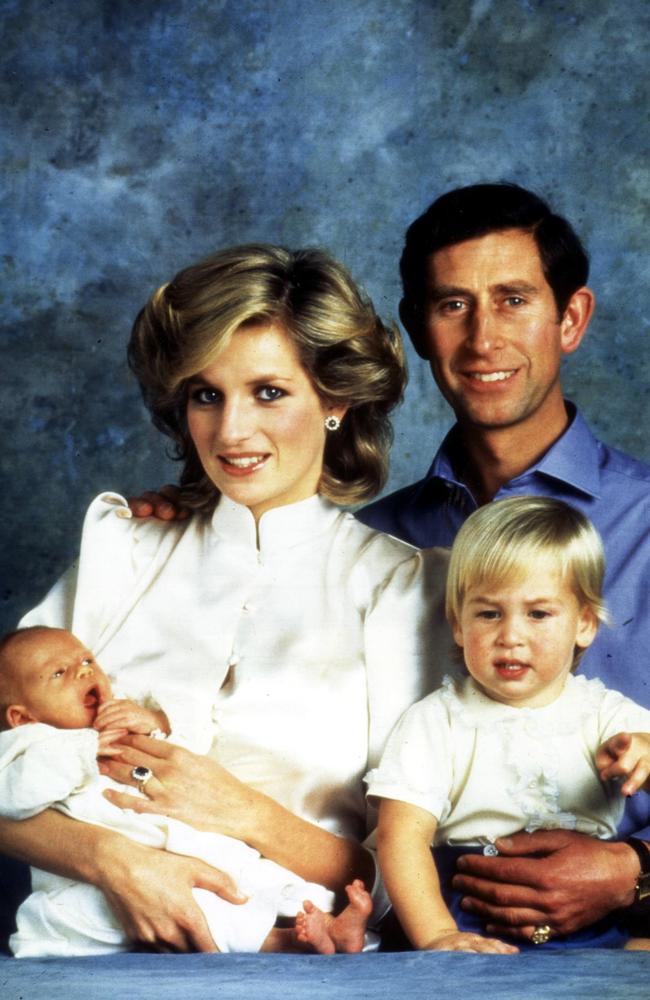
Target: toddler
column 520, row 743
column 57, row 715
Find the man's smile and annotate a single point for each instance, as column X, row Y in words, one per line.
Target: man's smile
column 497, row 376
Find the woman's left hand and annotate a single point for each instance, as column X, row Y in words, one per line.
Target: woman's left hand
column 184, row 785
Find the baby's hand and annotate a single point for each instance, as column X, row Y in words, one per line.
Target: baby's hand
column 123, row 714
column 464, row 941
column 626, row 755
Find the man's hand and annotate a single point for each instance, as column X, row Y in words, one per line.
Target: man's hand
column 556, row 877
column 163, row 504
column 626, row 755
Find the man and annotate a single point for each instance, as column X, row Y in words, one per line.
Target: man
column 494, row 296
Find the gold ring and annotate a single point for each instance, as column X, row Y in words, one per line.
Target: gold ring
column 541, row 934
column 141, row 775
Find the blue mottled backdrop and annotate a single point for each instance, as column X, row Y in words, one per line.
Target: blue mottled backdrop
column 141, row 134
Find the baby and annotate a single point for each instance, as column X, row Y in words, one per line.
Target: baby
column 57, row 715
column 520, row 743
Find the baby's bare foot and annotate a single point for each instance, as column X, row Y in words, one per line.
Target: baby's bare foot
column 349, row 928
column 312, row 929
column 327, row 934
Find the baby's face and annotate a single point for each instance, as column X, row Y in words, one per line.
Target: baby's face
column 58, row 681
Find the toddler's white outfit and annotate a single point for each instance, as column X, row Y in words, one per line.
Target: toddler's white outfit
column 487, row 770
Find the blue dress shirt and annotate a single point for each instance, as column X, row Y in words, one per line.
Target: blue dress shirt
column 613, row 490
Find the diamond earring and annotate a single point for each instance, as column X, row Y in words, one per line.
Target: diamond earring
column 332, row 423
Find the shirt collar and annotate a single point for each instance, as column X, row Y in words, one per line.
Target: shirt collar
column 279, row 528
column 573, row 459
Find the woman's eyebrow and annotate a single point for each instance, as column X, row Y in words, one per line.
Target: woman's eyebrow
column 257, row 379
column 272, row 377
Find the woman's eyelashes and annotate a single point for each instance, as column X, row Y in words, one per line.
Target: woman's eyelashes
column 269, row 393
column 206, row 396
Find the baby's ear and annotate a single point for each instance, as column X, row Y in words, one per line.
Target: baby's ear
column 17, row 715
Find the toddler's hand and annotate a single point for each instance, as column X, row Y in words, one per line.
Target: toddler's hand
column 626, row 755
column 464, row 941
column 124, row 714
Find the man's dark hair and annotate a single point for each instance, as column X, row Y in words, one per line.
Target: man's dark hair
column 470, row 212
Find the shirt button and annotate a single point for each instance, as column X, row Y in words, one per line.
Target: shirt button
column 233, row 661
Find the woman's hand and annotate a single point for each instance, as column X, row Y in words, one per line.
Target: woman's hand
column 150, row 892
column 186, row 786
column 205, row 795
column 162, row 503
column 120, row 713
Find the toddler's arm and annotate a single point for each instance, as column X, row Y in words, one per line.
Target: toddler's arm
column 404, row 835
column 626, row 755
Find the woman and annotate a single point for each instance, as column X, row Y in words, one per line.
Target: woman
column 302, row 633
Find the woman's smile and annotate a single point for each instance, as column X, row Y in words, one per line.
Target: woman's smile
column 242, row 465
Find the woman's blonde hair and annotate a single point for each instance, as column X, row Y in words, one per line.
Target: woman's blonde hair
column 502, row 540
column 348, row 353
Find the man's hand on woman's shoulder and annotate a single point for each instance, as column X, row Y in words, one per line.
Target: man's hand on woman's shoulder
column 163, row 504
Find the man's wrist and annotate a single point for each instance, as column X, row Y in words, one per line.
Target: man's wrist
column 641, row 904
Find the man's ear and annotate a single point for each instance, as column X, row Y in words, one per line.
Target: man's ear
column 18, row 715
column 575, row 320
column 412, row 317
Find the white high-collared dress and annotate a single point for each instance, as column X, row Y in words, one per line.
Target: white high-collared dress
column 299, row 644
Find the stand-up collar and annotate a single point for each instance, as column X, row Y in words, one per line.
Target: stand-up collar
column 279, row 528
